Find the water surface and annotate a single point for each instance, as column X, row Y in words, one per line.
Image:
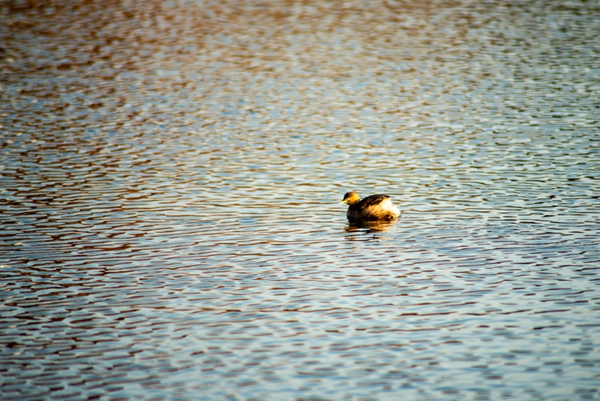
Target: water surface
column 170, row 174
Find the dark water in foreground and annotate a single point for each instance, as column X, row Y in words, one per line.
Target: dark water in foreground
column 170, row 172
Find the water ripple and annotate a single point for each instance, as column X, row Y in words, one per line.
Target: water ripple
column 169, row 179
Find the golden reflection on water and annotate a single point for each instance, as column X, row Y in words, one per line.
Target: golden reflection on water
column 170, row 174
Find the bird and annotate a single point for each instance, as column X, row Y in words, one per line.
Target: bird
column 372, row 208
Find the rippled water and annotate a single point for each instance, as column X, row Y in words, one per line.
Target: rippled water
column 171, row 172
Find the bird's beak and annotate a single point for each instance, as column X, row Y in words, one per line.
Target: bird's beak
column 344, row 202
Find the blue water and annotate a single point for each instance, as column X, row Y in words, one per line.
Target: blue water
column 170, row 174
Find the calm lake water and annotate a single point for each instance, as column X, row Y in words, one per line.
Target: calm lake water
column 170, row 173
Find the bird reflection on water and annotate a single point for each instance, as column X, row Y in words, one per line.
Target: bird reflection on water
column 370, row 227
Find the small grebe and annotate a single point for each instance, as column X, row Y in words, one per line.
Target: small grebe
column 371, row 208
